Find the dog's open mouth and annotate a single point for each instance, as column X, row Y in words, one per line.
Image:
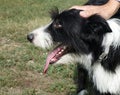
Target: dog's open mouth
column 55, row 55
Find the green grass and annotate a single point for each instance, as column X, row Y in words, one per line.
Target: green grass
column 21, row 64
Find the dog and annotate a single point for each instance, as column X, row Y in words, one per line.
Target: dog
column 92, row 42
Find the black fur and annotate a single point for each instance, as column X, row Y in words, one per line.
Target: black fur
column 83, row 36
column 112, row 60
column 82, row 80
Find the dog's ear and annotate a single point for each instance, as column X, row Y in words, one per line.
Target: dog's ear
column 98, row 25
column 54, row 12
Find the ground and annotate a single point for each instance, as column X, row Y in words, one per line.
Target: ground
column 21, row 64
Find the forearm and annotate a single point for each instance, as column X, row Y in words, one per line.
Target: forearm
column 110, row 8
column 113, row 6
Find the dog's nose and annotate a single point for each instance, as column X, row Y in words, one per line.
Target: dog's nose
column 30, row 37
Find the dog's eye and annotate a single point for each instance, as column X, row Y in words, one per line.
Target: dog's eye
column 57, row 24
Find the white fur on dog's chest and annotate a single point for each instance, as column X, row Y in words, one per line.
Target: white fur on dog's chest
column 106, row 81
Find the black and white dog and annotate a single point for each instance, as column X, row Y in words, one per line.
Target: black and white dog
column 94, row 43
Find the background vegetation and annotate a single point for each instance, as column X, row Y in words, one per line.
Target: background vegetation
column 21, row 64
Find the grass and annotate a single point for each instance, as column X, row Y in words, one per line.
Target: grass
column 21, row 64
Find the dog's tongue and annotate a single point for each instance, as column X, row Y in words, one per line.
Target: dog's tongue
column 53, row 57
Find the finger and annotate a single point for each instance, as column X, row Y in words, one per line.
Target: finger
column 86, row 14
column 79, row 7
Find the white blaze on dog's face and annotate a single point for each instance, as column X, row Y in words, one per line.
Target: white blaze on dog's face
column 41, row 37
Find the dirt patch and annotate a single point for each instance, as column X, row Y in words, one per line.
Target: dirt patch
column 7, row 44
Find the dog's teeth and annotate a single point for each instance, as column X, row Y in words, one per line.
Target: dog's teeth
column 53, row 59
column 59, row 52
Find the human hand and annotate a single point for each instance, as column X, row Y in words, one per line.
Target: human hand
column 106, row 11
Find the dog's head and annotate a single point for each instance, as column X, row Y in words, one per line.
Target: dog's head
column 71, row 33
